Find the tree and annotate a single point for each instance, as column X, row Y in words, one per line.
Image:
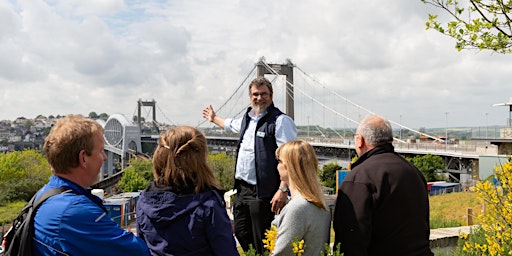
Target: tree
column 224, row 168
column 93, row 115
column 132, row 180
column 103, row 116
column 428, row 164
column 137, row 176
column 328, row 174
column 477, row 24
column 22, row 173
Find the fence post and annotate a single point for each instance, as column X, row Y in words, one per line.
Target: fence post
column 470, row 216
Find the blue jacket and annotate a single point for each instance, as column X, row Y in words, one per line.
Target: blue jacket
column 184, row 224
column 77, row 224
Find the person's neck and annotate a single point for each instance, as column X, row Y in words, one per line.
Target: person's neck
column 73, row 178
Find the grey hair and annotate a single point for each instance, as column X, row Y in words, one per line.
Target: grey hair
column 375, row 130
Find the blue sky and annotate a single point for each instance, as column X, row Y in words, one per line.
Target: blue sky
column 63, row 57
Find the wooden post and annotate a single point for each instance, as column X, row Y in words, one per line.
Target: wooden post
column 470, row 216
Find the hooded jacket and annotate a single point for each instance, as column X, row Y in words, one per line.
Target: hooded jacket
column 185, row 223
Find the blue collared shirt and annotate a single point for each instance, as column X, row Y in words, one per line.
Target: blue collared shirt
column 246, row 165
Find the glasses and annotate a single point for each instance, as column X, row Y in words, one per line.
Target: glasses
column 263, row 95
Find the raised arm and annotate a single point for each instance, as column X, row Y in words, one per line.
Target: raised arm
column 210, row 115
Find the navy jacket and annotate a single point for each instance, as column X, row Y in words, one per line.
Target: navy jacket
column 267, row 176
column 184, row 224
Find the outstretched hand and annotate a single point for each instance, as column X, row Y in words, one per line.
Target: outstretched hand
column 208, row 113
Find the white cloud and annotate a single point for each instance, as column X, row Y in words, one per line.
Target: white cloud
column 62, row 57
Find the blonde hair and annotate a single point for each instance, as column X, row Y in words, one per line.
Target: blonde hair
column 302, row 165
column 181, row 159
column 67, row 138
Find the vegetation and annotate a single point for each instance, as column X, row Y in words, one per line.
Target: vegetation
column 451, row 210
column 494, row 237
column 224, row 167
column 22, row 173
column 428, row 164
column 10, row 211
column 328, row 174
column 476, row 24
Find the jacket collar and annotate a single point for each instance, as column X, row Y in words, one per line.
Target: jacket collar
column 380, row 149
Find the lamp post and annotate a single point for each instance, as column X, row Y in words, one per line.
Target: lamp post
column 446, row 133
column 400, row 126
column 308, row 128
column 486, row 125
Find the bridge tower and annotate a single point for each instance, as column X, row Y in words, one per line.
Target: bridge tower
column 151, row 104
column 281, row 69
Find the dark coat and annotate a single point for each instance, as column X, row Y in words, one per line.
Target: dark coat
column 382, row 207
column 184, row 224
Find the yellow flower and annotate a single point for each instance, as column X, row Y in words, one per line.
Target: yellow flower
column 298, row 247
column 270, row 239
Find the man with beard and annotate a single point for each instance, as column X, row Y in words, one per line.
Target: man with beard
column 260, row 193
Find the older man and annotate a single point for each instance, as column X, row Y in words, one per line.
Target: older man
column 382, row 206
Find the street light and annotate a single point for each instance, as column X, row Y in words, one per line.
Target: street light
column 486, row 125
column 446, row 133
column 400, row 126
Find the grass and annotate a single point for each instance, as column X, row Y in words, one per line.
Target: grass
column 451, row 210
column 10, row 211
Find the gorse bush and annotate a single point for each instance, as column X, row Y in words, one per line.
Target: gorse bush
column 494, row 236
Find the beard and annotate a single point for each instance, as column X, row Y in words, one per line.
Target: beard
column 259, row 107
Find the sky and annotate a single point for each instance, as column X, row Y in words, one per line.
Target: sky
column 75, row 57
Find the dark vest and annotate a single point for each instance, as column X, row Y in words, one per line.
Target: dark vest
column 267, row 176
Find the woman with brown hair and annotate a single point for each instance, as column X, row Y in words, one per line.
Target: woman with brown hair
column 182, row 211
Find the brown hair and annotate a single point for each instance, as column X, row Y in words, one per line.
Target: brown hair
column 302, row 165
column 261, row 81
column 67, row 138
column 181, row 157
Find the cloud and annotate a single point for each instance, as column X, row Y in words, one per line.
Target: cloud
column 63, row 57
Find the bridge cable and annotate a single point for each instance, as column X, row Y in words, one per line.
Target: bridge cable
column 367, row 110
column 232, row 95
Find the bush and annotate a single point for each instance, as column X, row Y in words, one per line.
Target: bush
column 495, row 235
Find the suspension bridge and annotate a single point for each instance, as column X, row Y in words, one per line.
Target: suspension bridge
column 323, row 116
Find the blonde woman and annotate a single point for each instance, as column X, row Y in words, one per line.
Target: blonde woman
column 306, row 216
column 182, row 211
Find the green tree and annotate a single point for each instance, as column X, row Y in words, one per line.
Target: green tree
column 137, row 176
column 22, row 173
column 328, row 174
column 223, row 166
column 93, row 115
column 476, row 24
column 132, row 180
column 428, row 164
column 103, row 116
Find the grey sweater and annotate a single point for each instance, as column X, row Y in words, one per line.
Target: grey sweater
column 303, row 220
